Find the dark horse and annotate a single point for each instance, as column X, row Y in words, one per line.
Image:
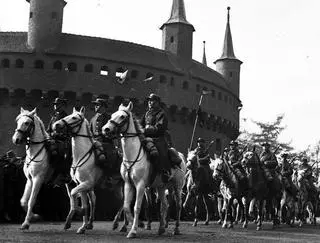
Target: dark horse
column 199, row 184
column 257, row 186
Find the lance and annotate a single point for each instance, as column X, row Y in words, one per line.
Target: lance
column 197, row 116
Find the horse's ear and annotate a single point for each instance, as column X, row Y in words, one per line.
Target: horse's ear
column 74, row 110
column 21, row 110
column 130, row 106
column 34, row 111
column 82, row 110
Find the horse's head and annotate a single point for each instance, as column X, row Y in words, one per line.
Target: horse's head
column 119, row 122
column 71, row 124
column 192, row 160
column 220, row 169
column 250, row 159
column 25, row 126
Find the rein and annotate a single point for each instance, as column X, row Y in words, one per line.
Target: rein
column 77, row 124
column 27, row 133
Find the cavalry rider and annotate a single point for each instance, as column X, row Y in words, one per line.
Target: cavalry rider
column 306, row 170
column 62, row 156
column 155, row 125
column 234, row 157
column 286, row 175
column 108, row 155
column 269, row 162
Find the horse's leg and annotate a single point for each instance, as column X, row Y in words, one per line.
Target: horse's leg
column 26, row 195
column 163, row 210
column 226, row 212
column 92, row 202
column 177, row 194
column 239, row 211
column 140, row 188
column 82, row 189
column 230, row 204
column 84, row 204
column 197, row 201
column 206, row 200
column 148, row 197
column 72, row 199
column 260, row 212
column 245, row 212
column 36, row 185
column 220, row 202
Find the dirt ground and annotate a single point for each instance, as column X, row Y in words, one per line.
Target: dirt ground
column 53, row 232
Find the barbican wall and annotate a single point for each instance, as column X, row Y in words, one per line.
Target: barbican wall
column 33, row 79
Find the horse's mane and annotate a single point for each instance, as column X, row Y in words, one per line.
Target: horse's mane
column 137, row 123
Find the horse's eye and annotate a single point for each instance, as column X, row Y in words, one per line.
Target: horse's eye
column 122, row 116
column 73, row 118
column 27, row 123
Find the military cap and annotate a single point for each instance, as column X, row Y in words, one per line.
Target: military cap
column 100, row 101
column 10, row 154
column 201, row 140
column 235, row 143
column 155, row 97
column 59, row 101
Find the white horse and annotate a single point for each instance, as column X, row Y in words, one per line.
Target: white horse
column 136, row 170
column 83, row 169
column 31, row 131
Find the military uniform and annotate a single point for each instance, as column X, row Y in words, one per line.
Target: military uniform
column 155, row 124
column 269, row 163
column 108, row 160
column 234, row 157
column 62, row 157
column 306, row 170
column 286, row 175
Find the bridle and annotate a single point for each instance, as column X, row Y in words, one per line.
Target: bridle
column 126, row 134
column 27, row 134
column 120, row 125
column 77, row 124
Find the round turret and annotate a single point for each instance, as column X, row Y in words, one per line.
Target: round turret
column 45, row 23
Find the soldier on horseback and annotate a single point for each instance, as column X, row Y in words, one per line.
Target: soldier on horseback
column 155, row 125
column 286, row 175
column 61, row 155
column 106, row 150
column 269, row 162
column 306, row 171
column 234, row 157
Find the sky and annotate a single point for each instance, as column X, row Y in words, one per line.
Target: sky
column 277, row 40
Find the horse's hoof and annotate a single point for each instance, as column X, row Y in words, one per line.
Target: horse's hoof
column 67, row 226
column 35, row 217
column 224, row 225
column 230, row 226
column 140, row 224
column 24, row 227
column 244, row 226
column 123, row 229
column 81, row 231
column 176, row 231
column 161, row 231
column 206, row 223
column 148, row 227
column 194, row 224
column 89, row 226
column 132, row 235
column 115, row 226
column 258, row 228
column 219, row 221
